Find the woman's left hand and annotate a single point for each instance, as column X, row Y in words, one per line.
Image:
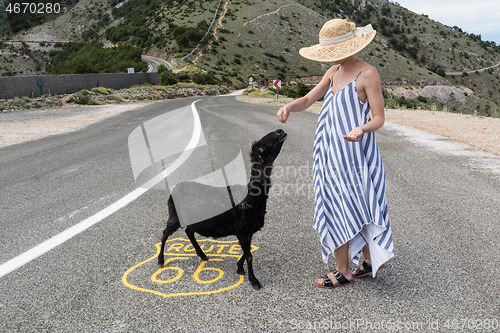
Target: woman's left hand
column 355, row 135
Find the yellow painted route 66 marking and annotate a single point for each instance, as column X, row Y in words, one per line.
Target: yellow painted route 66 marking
column 180, row 252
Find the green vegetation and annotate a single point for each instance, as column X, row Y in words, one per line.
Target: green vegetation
column 102, row 90
column 205, row 78
column 474, row 104
column 29, row 16
column 134, row 27
column 139, row 22
column 101, row 95
column 166, row 77
column 259, row 93
column 189, row 36
column 84, row 97
column 81, row 58
column 193, row 75
column 293, row 91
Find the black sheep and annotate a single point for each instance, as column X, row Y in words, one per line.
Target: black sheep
column 245, row 218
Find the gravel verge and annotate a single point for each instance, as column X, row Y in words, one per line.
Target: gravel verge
column 476, row 131
column 25, row 119
column 23, row 126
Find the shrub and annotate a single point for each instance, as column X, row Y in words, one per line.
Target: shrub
column 167, row 78
column 101, row 90
column 204, row 78
column 187, row 36
column 295, row 91
column 83, row 97
column 422, row 99
column 81, row 58
column 413, row 52
column 183, row 77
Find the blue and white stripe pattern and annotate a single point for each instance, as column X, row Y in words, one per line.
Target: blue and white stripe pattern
column 349, row 181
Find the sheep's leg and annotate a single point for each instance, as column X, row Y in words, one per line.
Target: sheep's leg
column 245, row 243
column 240, row 270
column 241, row 261
column 199, row 251
column 172, row 225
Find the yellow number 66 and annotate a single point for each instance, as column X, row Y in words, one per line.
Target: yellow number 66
column 180, row 272
column 201, row 268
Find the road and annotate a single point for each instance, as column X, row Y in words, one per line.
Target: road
column 472, row 71
column 154, row 63
column 443, row 207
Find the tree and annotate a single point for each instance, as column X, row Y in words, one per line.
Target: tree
column 167, row 78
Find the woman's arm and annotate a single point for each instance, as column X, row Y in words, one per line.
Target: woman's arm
column 302, row 103
column 369, row 82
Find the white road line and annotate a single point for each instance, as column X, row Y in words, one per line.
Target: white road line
column 235, row 93
column 69, row 233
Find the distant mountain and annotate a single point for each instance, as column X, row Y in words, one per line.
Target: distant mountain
column 262, row 38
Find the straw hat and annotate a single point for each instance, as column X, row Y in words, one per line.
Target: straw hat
column 339, row 39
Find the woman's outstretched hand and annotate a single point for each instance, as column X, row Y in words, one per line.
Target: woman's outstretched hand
column 355, row 135
column 283, row 114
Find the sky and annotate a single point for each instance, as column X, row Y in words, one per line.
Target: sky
column 480, row 17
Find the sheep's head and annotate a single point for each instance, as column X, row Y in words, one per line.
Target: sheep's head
column 268, row 148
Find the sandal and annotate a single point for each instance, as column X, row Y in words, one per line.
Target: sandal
column 328, row 284
column 367, row 270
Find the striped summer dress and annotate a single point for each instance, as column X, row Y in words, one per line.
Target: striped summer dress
column 349, row 181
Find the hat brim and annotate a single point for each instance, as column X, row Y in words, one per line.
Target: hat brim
column 337, row 51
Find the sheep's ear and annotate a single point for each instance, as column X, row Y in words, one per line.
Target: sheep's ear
column 256, row 147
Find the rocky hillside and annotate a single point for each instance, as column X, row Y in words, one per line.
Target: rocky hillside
column 262, row 38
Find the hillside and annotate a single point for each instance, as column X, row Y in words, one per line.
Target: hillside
column 262, row 39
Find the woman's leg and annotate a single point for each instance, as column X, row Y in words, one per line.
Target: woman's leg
column 366, row 254
column 342, row 258
column 365, row 271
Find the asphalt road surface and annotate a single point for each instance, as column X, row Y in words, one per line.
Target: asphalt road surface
column 444, row 211
column 154, row 63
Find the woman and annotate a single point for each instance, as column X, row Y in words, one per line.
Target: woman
column 348, row 174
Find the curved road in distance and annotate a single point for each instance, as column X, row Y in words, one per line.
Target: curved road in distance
column 154, row 63
column 472, row 71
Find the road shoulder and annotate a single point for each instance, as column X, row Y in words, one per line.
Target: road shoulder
column 476, row 131
column 22, row 126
